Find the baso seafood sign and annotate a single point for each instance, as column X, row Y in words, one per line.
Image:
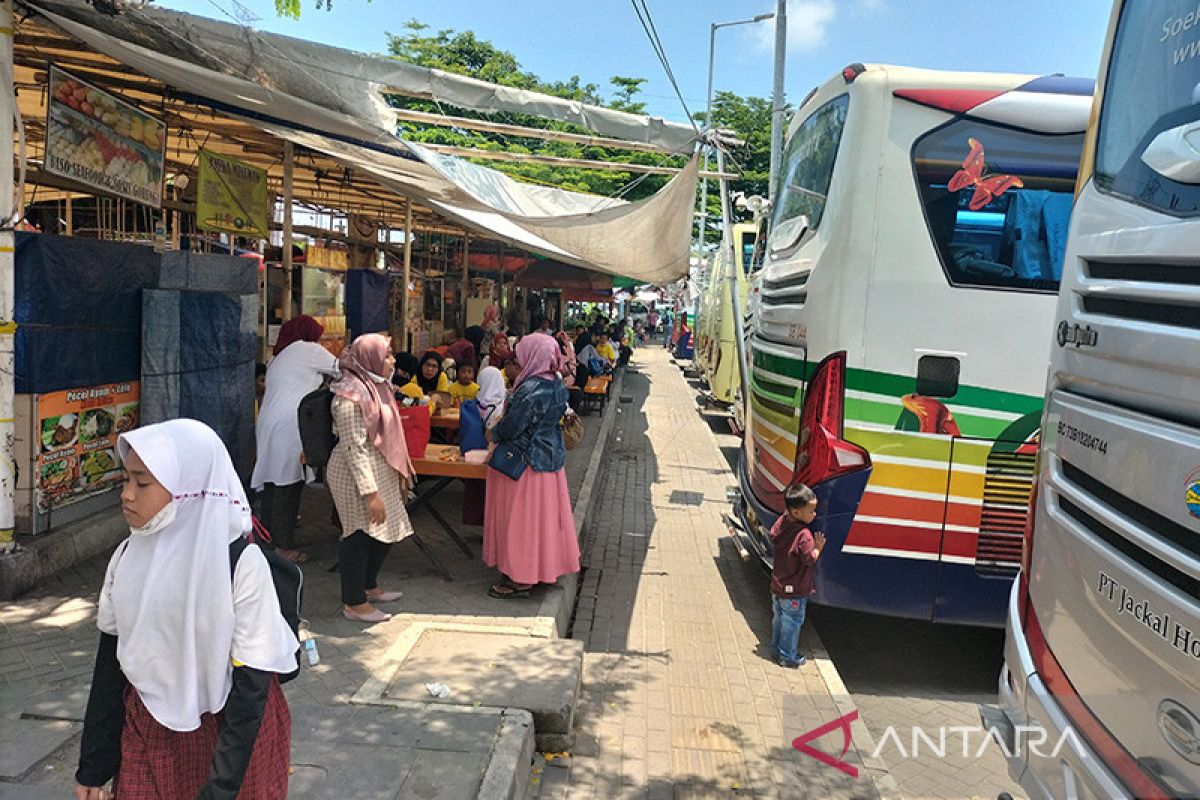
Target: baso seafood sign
column 78, row 431
column 98, row 140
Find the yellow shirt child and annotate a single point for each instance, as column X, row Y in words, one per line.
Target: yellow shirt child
column 414, row 390
column 464, row 386
column 606, row 350
column 460, row 392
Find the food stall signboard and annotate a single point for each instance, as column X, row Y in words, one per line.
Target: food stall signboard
column 77, row 431
column 231, row 196
column 97, row 139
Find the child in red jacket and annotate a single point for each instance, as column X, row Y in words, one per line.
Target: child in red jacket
column 796, row 552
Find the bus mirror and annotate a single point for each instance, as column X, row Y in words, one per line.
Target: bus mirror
column 787, row 236
column 1175, row 153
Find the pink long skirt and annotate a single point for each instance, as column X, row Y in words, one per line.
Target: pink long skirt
column 528, row 527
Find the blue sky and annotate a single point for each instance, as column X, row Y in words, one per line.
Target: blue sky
column 597, row 39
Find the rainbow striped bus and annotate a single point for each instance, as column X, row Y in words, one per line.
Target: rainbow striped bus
column 901, row 331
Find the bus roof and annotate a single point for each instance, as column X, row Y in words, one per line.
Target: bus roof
column 1050, row 103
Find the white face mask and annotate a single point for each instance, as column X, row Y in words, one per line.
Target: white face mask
column 157, row 523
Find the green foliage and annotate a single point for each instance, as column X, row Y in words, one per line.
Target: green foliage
column 291, row 8
column 466, row 54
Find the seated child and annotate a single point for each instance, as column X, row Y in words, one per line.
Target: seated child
column 605, row 349
column 796, row 552
column 464, row 386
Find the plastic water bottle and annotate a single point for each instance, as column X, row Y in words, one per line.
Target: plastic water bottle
column 310, row 650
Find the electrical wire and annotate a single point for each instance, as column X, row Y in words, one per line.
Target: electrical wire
column 646, row 18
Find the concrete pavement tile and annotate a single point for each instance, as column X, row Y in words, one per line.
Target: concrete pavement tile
column 698, row 733
column 25, row 742
column 448, row 775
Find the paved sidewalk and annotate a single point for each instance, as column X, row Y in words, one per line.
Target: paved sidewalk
column 680, row 696
column 48, row 641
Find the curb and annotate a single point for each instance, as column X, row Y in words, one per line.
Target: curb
column 875, row 767
column 48, row 554
column 559, row 603
column 507, row 773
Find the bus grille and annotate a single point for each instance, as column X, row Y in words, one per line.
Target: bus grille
column 791, row 291
column 1006, row 489
column 1160, row 294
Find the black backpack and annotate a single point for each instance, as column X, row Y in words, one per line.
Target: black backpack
column 287, row 577
column 317, row 439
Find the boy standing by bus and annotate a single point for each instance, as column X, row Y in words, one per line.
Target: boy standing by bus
column 796, row 552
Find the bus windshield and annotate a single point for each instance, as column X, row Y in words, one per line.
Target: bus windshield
column 997, row 201
column 1153, row 86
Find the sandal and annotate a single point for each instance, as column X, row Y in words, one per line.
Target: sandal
column 506, row 591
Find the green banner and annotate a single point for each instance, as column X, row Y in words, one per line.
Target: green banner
column 231, row 197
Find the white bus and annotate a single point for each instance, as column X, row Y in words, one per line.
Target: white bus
column 1104, row 625
column 909, row 283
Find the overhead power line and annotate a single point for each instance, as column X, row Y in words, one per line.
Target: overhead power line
column 643, row 14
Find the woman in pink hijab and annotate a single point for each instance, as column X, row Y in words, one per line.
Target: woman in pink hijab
column 368, row 473
column 528, row 527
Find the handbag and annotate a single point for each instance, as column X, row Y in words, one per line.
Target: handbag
column 415, row 420
column 508, row 461
column 572, row 430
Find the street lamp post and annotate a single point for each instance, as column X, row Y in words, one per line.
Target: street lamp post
column 708, row 125
column 712, row 52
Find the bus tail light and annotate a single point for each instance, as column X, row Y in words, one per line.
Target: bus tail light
column 821, row 452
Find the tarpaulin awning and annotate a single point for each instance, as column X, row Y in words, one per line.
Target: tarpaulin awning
column 490, row 262
column 549, row 275
column 587, row 296
column 332, row 101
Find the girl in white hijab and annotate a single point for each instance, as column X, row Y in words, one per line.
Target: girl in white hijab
column 185, row 699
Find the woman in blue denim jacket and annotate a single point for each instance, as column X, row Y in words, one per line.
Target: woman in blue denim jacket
column 528, row 528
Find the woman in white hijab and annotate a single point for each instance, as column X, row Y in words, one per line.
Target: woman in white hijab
column 185, row 698
column 492, row 393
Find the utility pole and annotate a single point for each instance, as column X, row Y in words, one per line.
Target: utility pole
column 289, row 165
column 8, row 328
column 777, row 97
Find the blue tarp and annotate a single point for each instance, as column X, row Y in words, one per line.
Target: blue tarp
column 78, row 311
column 367, row 301
column 198, row 361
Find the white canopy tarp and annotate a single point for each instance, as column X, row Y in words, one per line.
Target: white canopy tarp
column 330, row 100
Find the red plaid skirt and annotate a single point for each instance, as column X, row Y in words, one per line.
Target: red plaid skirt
column 158, row 763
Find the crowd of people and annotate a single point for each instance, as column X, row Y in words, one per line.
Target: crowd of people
column 186, row 697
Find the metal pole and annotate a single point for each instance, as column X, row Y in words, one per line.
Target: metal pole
column 8, row 328
column 404, row 310
column 735, row 307
column 777, row 98
column 289, row 163
column 466, row 280
column 712, row 52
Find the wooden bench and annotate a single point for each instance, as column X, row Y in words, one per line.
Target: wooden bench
column 595, row 392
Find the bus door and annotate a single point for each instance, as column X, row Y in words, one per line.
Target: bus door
column 987, row 499
column 903, row 514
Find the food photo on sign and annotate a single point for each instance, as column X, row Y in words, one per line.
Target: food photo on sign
column 97, row 139
column 79, row 430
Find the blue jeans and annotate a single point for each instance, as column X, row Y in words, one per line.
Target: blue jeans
column 785, row 627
